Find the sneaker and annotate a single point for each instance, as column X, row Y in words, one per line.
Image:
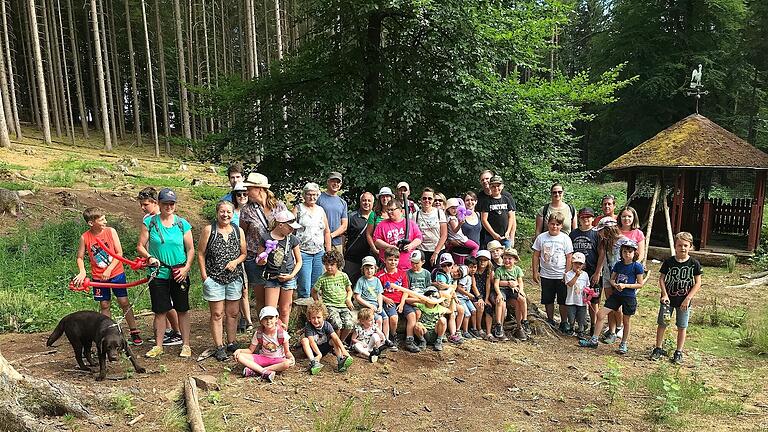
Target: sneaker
column 588, row 343
column 455, row 339
column 467, row 335
column 552, row 323
column 609, row 339
column 527, row 326
column 248, row 372
column 619, row 332
column 479, row 334
column 410, row 345
column 622, row 349
column 520, row 334
column 186, row 351
column 392, row 344
column 438, row 344
column 564, row 328
column 491, row 338
column 422, row 343
column 268, row 376
column 155, row 352
column 249, row 328
column 677, row 357
column 498, row 331
column 136, row 338
column 657, row 353
column 388, row 343
column 221, row 353
column 232, row 347
column 344, row 363
column 314, row 367
column 172, row 338
column 373, row 357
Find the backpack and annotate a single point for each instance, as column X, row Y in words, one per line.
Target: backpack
column 280, row 335
column 212, row 237
column 544, row 213
column 153, row 223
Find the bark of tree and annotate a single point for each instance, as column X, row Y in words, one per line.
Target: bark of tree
column 208, row 121
column 67, row 93
column 117, row 73
column 42, row 94
column 52, row 74
column 4, row 87
column 97, row 113
column 29, row 65
column 193, row 71
column 150, row 82
column 100, row 72
column 78, row 77
column 5, row 139
column 132, row 64
column 106, row 75
column 163, row 83
column 182, row 71
column 11, row 78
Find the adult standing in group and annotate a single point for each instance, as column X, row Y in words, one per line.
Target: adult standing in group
column 434, row 228
column 357, row 246
column 335, row 210
column 166, row 240
column 255, row 219
column 403, row 192
column 392, row 232
column 497, row 214
column 315, row 238
column 556, row 204
column 378, row 214
column 239, row 200
column 235, row 176
column 608, row 204
column 483, row 195
column 221, row 251
column 472, row 226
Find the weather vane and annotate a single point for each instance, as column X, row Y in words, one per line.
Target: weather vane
column 695, row 87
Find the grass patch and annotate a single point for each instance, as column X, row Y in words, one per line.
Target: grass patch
column 213, row 419
column 210, row 195
column 10, row 166
column 755, row 332
column 717, row 315
column 63, row 179
column 174, row 419
column 352, row 416
column 159, row 182
column 77, row 164
column 14, row 186
column 122, row 402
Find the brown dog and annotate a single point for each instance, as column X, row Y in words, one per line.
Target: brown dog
column 85, row 328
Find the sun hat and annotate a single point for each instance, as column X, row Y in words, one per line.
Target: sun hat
column 452, row 202
column 511, row 252
column 403, row 184
column 239, row 187
column 494, row 244
column 284, row 216
column 369, row 261
column 446, row 258
column 625, row 242
column 385, row 191
column 166, row 195
column 417, row 256
column 578, row 257
column 496, row 179
column 268, row 311
column 483, row 254
column 256, row 180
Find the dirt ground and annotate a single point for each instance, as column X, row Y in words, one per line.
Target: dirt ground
column 540, row 385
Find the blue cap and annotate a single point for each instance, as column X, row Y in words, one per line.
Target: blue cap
column 166, row 195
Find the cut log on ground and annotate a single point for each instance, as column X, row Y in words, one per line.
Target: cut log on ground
column 194, row 415
column 710, row 259
column 755, row 275
column 753, row 283
column 27, row 404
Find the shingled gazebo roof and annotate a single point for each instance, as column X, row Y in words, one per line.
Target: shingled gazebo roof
column 693, row 142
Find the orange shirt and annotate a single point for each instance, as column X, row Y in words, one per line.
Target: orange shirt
column 98, row 257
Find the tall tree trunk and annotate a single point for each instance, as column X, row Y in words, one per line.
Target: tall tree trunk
column 43, row 97
column 5, row 139
column 150, row 82
column 182, row 71
column 193, row 66
column 29, row 64
column 106, row 74
column 51, row 73
column 97, row 113
column 134, row 89
column 59, row 68
column 249, row 42
column 67, row 92
column 4, row 88
column 163, row 83
column 11, row 78
column 267, row 51
column 100, row 76
column 279, row 39
column 208, row 121
column 78, row 77
column 117, row 76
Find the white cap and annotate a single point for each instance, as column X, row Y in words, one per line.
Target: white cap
column 369, row 260
column 284, row 216
column 578, row 257
column 403, row 184
column 484, row 254
column 452, row 202
column 417, row 256
column 446, row 258
column 268, row 311
column 385, row 191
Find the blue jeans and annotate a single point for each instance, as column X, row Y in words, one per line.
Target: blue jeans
column 311, row 269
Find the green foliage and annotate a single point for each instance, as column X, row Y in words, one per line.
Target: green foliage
column 385, row 91
column 159, row 182
column 78, row 165
column 174, row 419
column 715, row 315
column 755, row 332
column 211, row 195
column 64, row 179
column 15, row 186
column 5, row 166
column 612, row 380
column 213, row 398
column 122, row 402
column 352, row 416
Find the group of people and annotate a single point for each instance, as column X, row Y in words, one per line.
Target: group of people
column 446, row 267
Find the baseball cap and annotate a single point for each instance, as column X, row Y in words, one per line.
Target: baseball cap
column 403, row 184
column 495, row 179
column 239, row 186
column 256, row 180
column 284, row 216
column 586, row 212
column 166, row 195
column 452, row 202
column 369, row 261
column 431, row 292
column 417, row 256
column 268, row 311
column 578, row 257
column 606, row 222
column 483, row 254
column 385, row 191
column 627, row 242
column 494, row 244
column 445, row 259
column 512, row 252
column 334, row 175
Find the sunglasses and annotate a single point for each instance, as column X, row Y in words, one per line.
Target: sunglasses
column 393, row 209
column 557, row 192
column 427, row 198
column 241, row 194
column 438, row 200
column 147, row 195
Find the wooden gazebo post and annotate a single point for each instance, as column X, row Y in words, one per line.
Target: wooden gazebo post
column 756, row 215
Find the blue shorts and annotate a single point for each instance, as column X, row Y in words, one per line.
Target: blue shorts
column 105, row 294
column 681, row 316
column 287, row 285
column 628, row 305
column 254, row 272
column 469, row 308
column 214, row 291
column 391, row 311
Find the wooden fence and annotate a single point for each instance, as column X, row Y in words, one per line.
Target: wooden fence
column 731, row 217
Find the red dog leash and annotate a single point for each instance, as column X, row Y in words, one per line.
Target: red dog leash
column 137, row 264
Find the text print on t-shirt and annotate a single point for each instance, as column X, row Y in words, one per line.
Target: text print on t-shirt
column 394, row 235
column 499, row 207
column 679, row 280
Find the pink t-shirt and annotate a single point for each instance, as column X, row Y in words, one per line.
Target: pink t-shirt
column 392, row 232
column 635, row 235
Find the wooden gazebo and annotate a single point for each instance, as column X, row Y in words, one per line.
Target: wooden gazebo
column 713, row 185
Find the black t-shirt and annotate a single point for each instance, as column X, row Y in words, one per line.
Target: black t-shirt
column 357, row 246
column 586, row 242
column 498, row 211
column 679, row 278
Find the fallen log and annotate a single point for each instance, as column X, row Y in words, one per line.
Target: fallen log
column 709, row 259
column 194, row 415
column 755, row 275
column 753, row 283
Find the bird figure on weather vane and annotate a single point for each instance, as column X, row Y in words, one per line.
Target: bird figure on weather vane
column 695, row 87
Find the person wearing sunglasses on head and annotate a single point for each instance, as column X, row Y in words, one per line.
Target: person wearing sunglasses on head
column 433, row 224
column 239, row 200
column 608, row 204
column 557, row 204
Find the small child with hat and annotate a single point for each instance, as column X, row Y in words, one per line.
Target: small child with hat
column 270, row 340
column 369, row 293
column 508, row 279
column 576, row 281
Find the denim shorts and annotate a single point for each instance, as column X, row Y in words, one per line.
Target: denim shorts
column 288, row 285
column 469, row 308
column 681, row 316
column 214, row 291
column 105, row 294
column 392, row 310
column 254, row 272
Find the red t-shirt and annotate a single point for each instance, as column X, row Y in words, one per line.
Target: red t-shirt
column 392, row 232
column 399, row 278
column 596, row 220
column 98, row 257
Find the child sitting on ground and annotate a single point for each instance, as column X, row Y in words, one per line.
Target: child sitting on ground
column 679, row 281
column 104, row 268
column 320, row 339
column 367, row 339
column 432, row 323
column 335, row 289
column 509, row 280
column 576, row 280
column 270, row 340
column 368, row 293
column 626, row 279
column 478, row 299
